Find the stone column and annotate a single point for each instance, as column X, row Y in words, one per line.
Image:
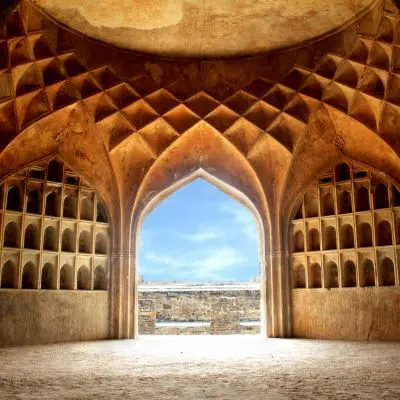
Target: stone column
column 147, row 316
column 225, row 316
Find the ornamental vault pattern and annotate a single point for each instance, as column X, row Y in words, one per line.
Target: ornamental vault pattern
column 41, row 74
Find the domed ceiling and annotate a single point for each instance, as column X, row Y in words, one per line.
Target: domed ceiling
column 204, row 28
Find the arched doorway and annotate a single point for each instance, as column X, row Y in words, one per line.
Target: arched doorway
column 248, row 206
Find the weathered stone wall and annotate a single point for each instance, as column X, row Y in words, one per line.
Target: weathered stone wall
column 185, row 305
column 37, row 317
column 225, row 315
column 370, row 313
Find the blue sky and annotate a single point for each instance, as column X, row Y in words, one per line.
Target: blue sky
column 199, row 234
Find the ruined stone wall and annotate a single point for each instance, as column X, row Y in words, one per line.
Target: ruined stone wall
column 196, row 305
column 49, row 316
column 370, row 313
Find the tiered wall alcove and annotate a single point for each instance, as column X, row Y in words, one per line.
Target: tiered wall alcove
column 54, row 250
column 346, row 237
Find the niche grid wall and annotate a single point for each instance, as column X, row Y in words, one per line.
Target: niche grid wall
column 53, row 231
column 346, row 232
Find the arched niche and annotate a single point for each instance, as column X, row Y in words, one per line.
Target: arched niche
column 328, row 204
column 299, row 277
column 50, row 240
column 314, row 240
column 34, row 203
column 32, row 237
column 87, row 208
column 367, row 273
column 381, row 197
column 101, row 214
column 384, row 234
column 298, row 241
column 29, row 276
column 346, row 237
column 315, row 276
column 55, row 171
column 99, row 278
column 329, row 238
column 11, row 235
column 349, row 274
column 101, row 243
column 386, row 272
column 364, row 235
column 68, row 241
column 49, row 280
column 362, row 199
column 66, row 277
column 9, row 276
column 395, row 196
column 345, row 205
column 331, row 275
column 14, row 199
column 342, row 172
column 84, row 280
column 70, row 207
column 311, row 205
column 85, row 240
column 51, row 209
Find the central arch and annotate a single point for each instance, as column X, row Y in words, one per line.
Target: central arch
column 232, row 192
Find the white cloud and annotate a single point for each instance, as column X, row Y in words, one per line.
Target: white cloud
column 204, row 235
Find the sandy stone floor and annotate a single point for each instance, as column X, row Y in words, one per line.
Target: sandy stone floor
column 202, row 367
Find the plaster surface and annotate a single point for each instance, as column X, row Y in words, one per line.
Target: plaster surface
column 203, row 367
column 203, row 28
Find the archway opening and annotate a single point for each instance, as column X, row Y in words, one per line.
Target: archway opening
column 199, row 264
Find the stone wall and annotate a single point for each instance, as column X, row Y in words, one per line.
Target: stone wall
column 370, row 313
column 38, row 317
column 187, row 305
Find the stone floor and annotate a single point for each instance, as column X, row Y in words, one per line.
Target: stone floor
column 202, row 367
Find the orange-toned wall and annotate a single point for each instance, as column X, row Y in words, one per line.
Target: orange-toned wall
column 38, row 317
column 370, row 313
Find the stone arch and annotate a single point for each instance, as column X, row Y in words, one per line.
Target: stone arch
column 381, row 196
column 342, row 172
column 314, row 240
column 384, row 234
column 349, row 274
column 9, row 276
column 346, row 237
column 31, row 239
column 367, row 273
column 84, row 280
column 29, row 276
column 48, row 280
column 85, row 240
column 70, row 207
column 99, row 278
column 101, row 243
column 331, row 275
column 364, row 235
column 55, row 171
column 362, row 199
column 386, row 272
column 345, row 206
column 66, row 277
column 311, row 205
column 14, row 200
column 11, row 235
column 68, row 241
column 315, row 276
column 86, row 209
column 329, row 238
column 298, row 241
column 328, row 204
column 51, row 209
column 34, row 203
column 299, row 277
column 50, row 240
